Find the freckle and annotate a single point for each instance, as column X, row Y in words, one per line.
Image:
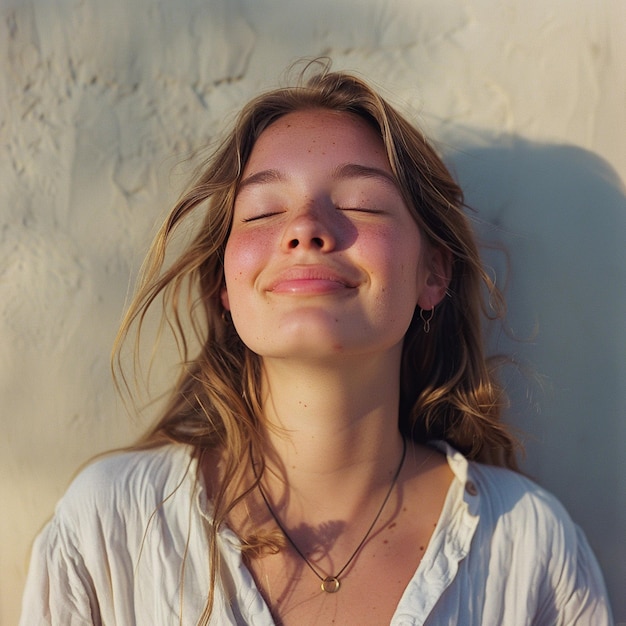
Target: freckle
column 385, row 541
column 422, row 548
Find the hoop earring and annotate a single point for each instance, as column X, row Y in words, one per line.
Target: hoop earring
column 428, row 319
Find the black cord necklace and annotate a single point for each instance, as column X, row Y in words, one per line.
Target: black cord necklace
column 331, row 584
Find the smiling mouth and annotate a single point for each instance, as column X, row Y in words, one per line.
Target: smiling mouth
column 313, row 281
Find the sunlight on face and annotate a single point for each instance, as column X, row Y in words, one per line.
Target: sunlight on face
column 323, row 258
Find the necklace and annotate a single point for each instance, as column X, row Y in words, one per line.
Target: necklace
column 331, row 584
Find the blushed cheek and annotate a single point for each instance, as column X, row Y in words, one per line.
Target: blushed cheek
column 235, row 258
column 244, row 258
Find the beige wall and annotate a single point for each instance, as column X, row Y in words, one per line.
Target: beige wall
column 102, row 100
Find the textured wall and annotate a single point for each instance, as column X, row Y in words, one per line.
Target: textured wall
column 101, row 101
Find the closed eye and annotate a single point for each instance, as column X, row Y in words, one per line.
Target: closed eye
column 359, row 209
column 261, row 216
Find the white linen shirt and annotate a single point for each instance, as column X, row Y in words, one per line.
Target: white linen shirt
column 128, row 545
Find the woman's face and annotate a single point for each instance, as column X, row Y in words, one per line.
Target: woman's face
column 324, row 258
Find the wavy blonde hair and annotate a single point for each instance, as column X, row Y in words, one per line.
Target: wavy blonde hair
column 448, row 387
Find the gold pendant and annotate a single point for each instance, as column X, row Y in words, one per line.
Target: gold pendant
column 330, row 584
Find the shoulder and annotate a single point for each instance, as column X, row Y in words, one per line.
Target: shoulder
column 514, row 514
column 124, row 517
column 499, row 493
column 128, row 482
column 159, row 468
column 525, row 538
column 523, row 506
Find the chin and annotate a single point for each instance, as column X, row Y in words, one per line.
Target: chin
column 320, row 335
column 313, row 348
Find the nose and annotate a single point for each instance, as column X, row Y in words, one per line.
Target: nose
column 310, row 229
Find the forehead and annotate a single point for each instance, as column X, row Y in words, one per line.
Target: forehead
column 320, row 133
column 319, row 117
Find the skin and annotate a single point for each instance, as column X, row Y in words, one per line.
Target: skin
column 323, row 269
column 323, row 250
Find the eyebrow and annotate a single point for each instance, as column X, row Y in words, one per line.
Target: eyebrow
column 341, row 172
column 263, row 177
column 354, row 170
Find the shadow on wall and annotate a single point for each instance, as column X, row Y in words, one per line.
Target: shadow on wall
column 560, row 214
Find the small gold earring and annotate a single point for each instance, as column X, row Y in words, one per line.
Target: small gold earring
column 428, row 319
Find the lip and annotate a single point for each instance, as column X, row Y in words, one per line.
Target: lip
column 310, row 279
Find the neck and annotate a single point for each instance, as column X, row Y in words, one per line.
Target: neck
column 332, row 431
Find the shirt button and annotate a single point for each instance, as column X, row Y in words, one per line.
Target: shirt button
column 470, row 488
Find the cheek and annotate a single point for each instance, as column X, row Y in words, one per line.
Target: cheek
column 245, row 257
column 242, row 256
column 394, row 257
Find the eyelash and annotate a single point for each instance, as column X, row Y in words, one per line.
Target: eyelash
column 259, row 217
column 359, row 209
column 339, row 208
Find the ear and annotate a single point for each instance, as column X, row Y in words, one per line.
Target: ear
column 224, row 298
column 438, row 263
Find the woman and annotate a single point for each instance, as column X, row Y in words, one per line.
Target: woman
column 332, row 291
